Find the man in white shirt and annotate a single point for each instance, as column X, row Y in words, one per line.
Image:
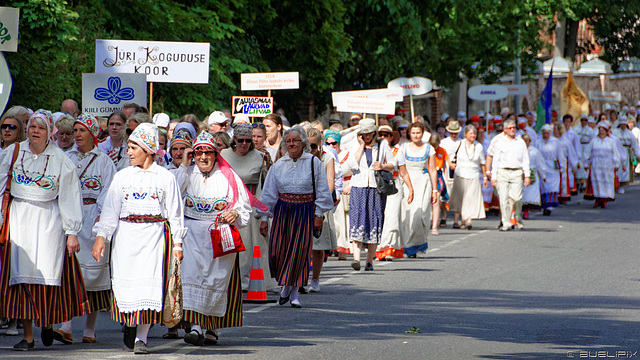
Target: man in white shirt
column 451, row 144
column 510, row 163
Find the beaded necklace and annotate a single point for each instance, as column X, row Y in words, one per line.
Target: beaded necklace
column 25, row 173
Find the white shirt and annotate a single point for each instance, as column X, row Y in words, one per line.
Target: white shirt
column 469, row 160
column 363, row 174
column 511, row 154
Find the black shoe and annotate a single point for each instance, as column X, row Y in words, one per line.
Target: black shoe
column 302, row 290
column 283, row 300
column 368, row 267
column 129, row 337
column 194, row 338
column 413, row 256
column 47, row 336
column 140, row 348
column 356, row 265
column 23, row 345
column 546, row 212
column 211, row 341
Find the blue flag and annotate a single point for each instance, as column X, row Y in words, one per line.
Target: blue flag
column 545, row 105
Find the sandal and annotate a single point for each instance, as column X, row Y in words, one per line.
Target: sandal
column 170, row 336
column 435, row 232
column 443, row 223
column 456, row 226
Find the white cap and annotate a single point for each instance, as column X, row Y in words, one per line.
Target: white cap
column 584, row 115
column 444, row 117
column 489, row 116
column 522, row 120
column 591, row 120
column 632, row 109
column 606, row 107
column 57, row 115
column 481, row 114
column 625, row 109
column 638, row 104
column 161, row 120
column 241, row 119
column 462, row 115
column 504, row 111
column 217, row 117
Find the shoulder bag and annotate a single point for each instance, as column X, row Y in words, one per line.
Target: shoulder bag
column 7, row 198
column 172, row 309
column 454, row 160
column 384, row 179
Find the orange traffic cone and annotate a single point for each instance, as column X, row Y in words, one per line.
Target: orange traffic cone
column 256, row 293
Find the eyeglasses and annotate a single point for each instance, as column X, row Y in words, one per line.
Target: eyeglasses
column 200, row 153
column 225, row 124
column 314, row 146
column 385, row 135
column 255, row 125
column 332, row 143
column 9, row 126
column 242, row 141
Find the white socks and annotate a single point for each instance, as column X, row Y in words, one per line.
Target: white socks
column 197, row 328
column 142, row 332
column 294, row 294
column 90, row 325
column 66, row 326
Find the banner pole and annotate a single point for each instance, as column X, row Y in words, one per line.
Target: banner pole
column 412, row 115
column 151, row 98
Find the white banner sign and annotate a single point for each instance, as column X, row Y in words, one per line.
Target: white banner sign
column 5, row 83
column 614, row 96
column 269, row 81
column 363, row 105
column 256, row 106
column 380, row 94
column 416, row 85
column 168, row 62
column 9, row 18
column 488, row 92
column 517, row 89
column 103, row 94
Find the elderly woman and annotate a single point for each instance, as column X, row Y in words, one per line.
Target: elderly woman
column 297, row 204
column 273, row 126
column 115, row 145
column 332, row 138
column 602, row 160
column 143, row 212
column 531, row 193
column 366, row 207
column 11, row 131
column 249, row 164
column 551, row 151
column 214, row 198
column 41, row 278
column 95, row 170
column 466, row 196
column 64, row 136
column 179, row 143
column 421, row 165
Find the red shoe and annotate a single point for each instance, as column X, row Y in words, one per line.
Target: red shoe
column 525, row 215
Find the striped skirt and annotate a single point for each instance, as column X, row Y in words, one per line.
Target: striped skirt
column 290, row 242
column 45, row 304
column 549, row 200
column 147, row 316
column 99, row 300
column 233, row 317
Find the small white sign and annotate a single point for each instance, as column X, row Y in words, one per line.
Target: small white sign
column 614, row 96
column 488, row 92
column 518, row 89
column 9, row 19
column 269, row 81
column 161, row 61
column 380, row 94
column 103, row 94
column 5, row 83
column 255, row 106
column 364, row 105
column 416, row 85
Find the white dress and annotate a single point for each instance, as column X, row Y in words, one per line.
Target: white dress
column 94, row 181
column 568, row 163
column 466, row 197
column 585, row 135
column 341, row 213
column 630, row 145
column 391, row 243
column 551, row 152
column 205, row 279
column 138, row 249
column 531, row 193
column 602, row 156
column 51, row 201
column 328, row 239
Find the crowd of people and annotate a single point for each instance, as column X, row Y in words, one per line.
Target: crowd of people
column 100, row 207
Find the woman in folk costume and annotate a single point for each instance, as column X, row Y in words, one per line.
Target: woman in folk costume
column 41, row 278
column 179, row 143
column 551, row 151
column 602, row 160
column 115, row 146
column 420, row 160
column 631, row 149
column 215, row 197
column 568, row 163
column 95, row 170
column 249, row 163
column 143, row 216
column 531, row 193
column 341, row 214
column 289, row 195
column 391, row 244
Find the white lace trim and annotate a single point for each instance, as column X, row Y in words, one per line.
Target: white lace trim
column 137, row 283
column 131, row 306
column 358, row 234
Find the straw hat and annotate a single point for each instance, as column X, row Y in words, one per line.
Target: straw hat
column 453, row 127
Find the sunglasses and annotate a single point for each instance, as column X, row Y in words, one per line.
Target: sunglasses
column 242, row 141
column 332, row 143
column 385, row 135
column 255, row 125
column 9, row 126
column 314, row 146
column 200, row 152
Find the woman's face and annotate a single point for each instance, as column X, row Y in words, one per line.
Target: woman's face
column 243, row 144
column 441, row 132
column 83, row 137
column 9, row 130
column 177, row 151
column 333, row 143
column 556, row 132
column 416, row 135
column 546, row 134
column 65, row 139
column 137, row 155
column 172, row 127
column 294, row 145
column 316, row 146
column 115, row 126
column 162, row 142
column 403, row 132
column 37, row 133
column 368, row 137
column 470, row 136
column 259, row 137
column 205, row 158
column 219, row 144
column 272, row 129
column 602, row 132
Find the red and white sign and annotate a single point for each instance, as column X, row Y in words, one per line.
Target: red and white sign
column 364, row 105
column 613, row 96
column 380, row 94
column 416, row 85
column 518, row 89
column 269, row 81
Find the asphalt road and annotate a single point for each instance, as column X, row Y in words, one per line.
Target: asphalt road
column 564, row 287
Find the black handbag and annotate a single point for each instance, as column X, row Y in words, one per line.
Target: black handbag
column 384, row 180
column 454, row 160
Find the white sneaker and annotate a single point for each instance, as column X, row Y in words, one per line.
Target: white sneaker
column 12, row 332
column 276, row 290
column 520, row 226
column 620, row 191
column 421, row 254
column 315, row 286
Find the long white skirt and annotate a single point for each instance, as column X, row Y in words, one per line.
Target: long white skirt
column 466, row 198
column 328, row 239
column 341, row 223
column 391, row 242
column 96, row 275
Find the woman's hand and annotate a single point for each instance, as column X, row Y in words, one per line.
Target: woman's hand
column 98, row 248
column 494, row 182
column 346, row 189
column 264, row 228
column 434, row 197
column 178, row 253
column 377, row 166
column 410, row 196
column 360, row 140
column 485, row 182
column 187, row 156
column 73, row 246
column 317, row 223
column 230, row 216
